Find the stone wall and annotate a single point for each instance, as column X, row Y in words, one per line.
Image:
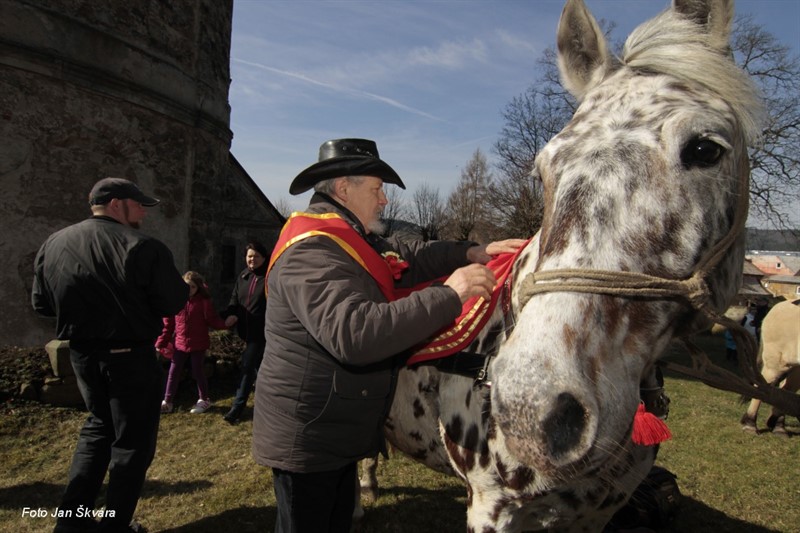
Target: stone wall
column 136, row 89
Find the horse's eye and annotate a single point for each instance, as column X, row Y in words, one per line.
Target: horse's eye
column 701, row 153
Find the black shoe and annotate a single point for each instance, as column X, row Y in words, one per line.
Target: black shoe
column 232, row 416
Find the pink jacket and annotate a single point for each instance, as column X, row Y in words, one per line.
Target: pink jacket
column 191, row 325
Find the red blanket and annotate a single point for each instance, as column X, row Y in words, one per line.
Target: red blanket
column 474, row 315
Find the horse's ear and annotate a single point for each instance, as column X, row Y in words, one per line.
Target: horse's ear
column 583, row 57
column 715, row 15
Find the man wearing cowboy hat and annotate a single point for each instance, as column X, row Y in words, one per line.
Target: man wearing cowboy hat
column 338, row 323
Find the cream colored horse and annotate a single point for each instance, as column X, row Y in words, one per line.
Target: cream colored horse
column 779, row 358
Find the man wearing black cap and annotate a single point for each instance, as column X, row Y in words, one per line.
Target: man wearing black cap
column 336, row 320
column 108, row 285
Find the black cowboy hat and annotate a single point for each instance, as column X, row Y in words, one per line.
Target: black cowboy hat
column 345, row 157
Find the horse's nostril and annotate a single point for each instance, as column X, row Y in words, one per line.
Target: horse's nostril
column 564, row 425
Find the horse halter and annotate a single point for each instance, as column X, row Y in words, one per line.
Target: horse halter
column 695, row 290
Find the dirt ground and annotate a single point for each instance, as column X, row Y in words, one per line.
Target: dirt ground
column 20, row 365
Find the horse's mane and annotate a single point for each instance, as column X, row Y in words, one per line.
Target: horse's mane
column 673, row 45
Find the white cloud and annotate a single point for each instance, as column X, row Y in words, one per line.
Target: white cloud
column 517, row 43
column 448, row 54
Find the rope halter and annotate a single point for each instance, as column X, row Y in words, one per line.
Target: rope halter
column 696, row 292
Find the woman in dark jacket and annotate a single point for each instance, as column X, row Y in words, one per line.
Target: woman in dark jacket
column 246, row 309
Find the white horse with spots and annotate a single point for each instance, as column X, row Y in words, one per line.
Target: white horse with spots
column 779, row 358
column 645, row 199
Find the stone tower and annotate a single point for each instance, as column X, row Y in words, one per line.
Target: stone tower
column 136, row 89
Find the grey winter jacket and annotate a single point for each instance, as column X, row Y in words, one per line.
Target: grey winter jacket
column 334, row 344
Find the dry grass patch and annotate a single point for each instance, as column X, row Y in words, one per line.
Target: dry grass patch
column 204, row 479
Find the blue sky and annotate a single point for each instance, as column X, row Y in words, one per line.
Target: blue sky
column 428, row 80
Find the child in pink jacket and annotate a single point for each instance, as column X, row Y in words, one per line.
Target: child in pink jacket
column 190, row 327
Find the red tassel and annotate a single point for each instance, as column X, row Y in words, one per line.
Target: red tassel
column 648, row 429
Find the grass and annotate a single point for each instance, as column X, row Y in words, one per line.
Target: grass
column 204, row 479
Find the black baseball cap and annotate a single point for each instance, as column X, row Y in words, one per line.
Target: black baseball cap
column 107, row 189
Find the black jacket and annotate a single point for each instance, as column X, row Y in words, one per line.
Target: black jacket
column 107, row 284
column 249, row 304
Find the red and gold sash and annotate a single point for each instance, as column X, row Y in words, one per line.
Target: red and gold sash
column 304, row 225
column 474, row 314
column 449, row 340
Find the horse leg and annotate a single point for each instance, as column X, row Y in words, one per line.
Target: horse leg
column 366, row 488
column 777, row 419
column 369, row 480
column 749, row 419
column 775, row 423
column 358, row 510
column 793, row 382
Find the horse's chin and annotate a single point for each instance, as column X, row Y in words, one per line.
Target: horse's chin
column 526, row 452
column 556, row 443
column 561, row 435
column 590, row 460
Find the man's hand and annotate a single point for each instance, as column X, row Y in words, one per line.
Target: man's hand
column 472, row 280
column 483, row 254
column 230, row 321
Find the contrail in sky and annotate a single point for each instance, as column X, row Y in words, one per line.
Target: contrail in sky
column 341, row 89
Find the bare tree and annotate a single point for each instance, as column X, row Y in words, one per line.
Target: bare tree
column 282, row 206
column 466, row 206
column 395, row 211
column 428, row 212
column 516, row 199
column 517, row 205
column 775, row 175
